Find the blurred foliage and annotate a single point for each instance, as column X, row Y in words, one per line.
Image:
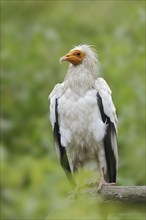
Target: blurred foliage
column 34, row 35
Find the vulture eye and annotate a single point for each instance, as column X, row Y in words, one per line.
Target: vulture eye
column 78, row 54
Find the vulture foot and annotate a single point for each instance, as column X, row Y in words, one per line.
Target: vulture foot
column 104, row 183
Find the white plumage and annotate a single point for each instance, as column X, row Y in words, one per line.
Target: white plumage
column 83, row 117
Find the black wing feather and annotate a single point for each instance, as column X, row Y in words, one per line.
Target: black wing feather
column 109, row 154
column 63, row 156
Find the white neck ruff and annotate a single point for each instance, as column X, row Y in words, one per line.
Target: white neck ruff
column 82, row 76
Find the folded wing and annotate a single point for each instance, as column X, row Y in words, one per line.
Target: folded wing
column 108, row 115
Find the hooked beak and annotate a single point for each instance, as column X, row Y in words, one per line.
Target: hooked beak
column 74, row 57
column 62, row 59
column 67, row 57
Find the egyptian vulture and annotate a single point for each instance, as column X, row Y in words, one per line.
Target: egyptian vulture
column 83, row 118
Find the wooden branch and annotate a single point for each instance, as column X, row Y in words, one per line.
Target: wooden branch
column 131, row 197
column 131, row 194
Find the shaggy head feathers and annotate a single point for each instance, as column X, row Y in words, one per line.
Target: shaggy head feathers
column 90, row 53
column 88, row 67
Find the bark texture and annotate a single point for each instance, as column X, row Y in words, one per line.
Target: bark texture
column 131, row 194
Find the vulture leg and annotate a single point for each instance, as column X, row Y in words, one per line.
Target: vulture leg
column 102, row 170
column 77, row 165
column 102, row 183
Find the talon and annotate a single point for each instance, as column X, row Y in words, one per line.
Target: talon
column 112, row 184
column 104, row 183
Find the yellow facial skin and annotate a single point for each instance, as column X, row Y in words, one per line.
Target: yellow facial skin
column 75, row 57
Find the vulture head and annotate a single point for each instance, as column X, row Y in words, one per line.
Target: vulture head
column 81, row 55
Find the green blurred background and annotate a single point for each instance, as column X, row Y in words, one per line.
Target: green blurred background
column 34, row 35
